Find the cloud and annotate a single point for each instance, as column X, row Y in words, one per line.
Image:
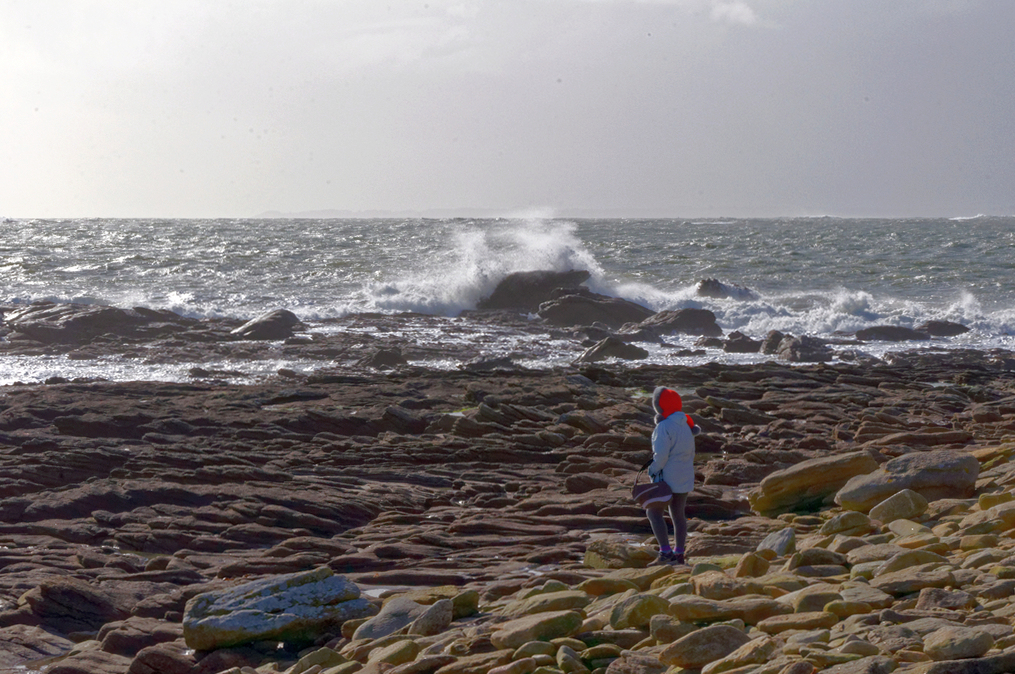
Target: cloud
column 736, row 12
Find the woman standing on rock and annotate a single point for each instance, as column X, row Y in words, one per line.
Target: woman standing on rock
column 672, row 463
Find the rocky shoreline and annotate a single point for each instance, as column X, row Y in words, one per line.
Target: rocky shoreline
column 493, row 502
column 374, row 515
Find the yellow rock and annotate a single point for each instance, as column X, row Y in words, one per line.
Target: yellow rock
column 814, row 598
column 718, row 585
column 604, row 586
column 323, row 657
column 988, row 501
column 850, row 522
column 910, row 558
column 978, row 542
column 395, row 654
column 843, row 609
column 1003, row 572
column 751, row 565
column 917, row 541
column 754, row 652
column 817, row 620
column 945, row 529
column 538, row 627
column 957, row 642
column 551, row 601
column 521, row 666
column 607, row 553
column 1003, row 513
column 703, row 646
column 636, row 612
column 985, row 454
column 531, row 648
column 642, row 578
column 859, row 647
column 480, row 663
column 810, row 481
column 903, row 527
column 905, row 504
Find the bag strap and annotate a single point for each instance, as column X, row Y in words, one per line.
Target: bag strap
column 642, row 470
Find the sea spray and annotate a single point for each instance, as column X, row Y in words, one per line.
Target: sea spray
column 824, row 277
column 479, row 256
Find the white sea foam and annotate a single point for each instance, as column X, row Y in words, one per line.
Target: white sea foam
column 817, row 276
column 478, row 259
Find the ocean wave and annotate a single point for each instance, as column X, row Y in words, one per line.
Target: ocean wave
column 478, row 258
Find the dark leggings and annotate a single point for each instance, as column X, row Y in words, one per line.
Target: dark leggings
column 658, row 522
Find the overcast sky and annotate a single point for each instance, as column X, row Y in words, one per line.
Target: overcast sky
column 683, row 108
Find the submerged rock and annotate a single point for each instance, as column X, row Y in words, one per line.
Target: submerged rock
column 298, row 607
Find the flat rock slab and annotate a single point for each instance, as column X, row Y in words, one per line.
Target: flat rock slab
column 298, row 606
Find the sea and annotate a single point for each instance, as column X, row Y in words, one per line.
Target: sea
column 819, row 276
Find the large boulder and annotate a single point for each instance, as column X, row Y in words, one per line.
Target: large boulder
column 934, row 475
column 589, row 308
column 809, row 483
column 297, row 607
column 684, row 321
column 526, row 290
column 278, row 324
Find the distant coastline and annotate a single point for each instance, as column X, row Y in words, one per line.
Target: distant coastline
column 443, row 213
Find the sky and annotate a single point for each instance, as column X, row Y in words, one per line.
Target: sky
column 668, row 108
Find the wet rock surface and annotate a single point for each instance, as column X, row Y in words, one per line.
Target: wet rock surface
column 494, row 502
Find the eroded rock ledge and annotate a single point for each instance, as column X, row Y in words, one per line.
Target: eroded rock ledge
column 505, row 493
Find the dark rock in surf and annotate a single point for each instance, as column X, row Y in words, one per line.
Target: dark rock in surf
column 278, row 324
column 942, row 328
column 589, row 308
column 716, row 289
column 526, row 290
column 709, row 342
column 685, row 321
column 612, row 347
column 803, row 349
column 52, row 323
column 384, row 359
column 738, row 342
column 891, row 333
column 770, row 345
column 636, row 333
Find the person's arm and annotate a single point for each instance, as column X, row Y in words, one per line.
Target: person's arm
column 662, row 443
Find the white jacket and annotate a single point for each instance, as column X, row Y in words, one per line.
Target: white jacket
column 673, row 453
